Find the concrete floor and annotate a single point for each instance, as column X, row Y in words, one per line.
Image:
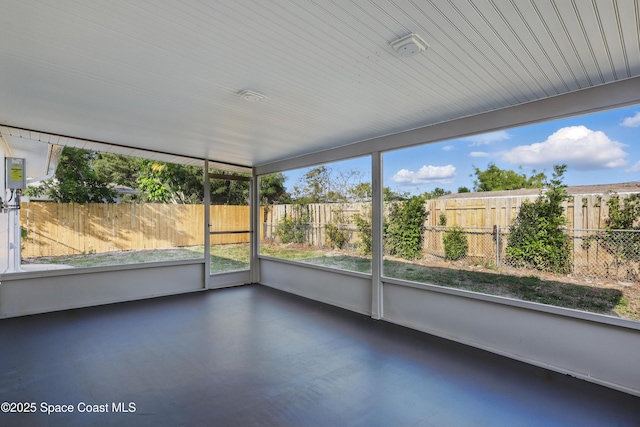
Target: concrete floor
column 254, row 356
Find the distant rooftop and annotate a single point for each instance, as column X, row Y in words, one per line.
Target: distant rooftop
column 620, row 188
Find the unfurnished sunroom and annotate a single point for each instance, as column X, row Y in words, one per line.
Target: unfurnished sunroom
column 221, row 96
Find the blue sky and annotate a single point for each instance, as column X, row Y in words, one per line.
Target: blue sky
column 600, row 148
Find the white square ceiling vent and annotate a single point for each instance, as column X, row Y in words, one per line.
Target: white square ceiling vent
column 409, row 45
column 251, row 96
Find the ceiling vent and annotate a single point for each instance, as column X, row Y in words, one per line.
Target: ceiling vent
column 251, row 96
column 409, row 45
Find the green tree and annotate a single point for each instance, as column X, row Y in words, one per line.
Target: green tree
column 463, row 190
column 89, row 177
column 360, row 192
column 229, row 191
column 315, row 186
column 437, row 192
column 163, row 182
column 324, row 184
column 537, row 237
column 389, row 195
column 272, row 189
column 236, row 192
column 495, row 179
column 75, row 181
column 119, row 170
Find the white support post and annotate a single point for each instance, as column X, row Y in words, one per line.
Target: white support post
column 254, row 239
column 15, row 241
column 376, row 235
column 207, row 222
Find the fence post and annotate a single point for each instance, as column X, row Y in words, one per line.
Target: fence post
column 496, row 238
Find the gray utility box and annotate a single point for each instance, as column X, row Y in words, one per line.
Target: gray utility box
column 16, row 177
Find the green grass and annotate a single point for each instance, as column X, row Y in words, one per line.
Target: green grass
column 292, row 252
column 224, row 258
column 120, row 258
column 594, row 299
column 528, row 288
column 318, row 257
column 343, row 262
column 229, row 258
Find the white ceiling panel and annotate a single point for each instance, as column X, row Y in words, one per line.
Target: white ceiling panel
column 164, row 75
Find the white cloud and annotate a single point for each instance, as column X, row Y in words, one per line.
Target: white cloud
column 632, row 122
column 447, row 148
column 577, row 146
column 488, row 138
column 425, row 175
column 479, row 154
column 634, row 168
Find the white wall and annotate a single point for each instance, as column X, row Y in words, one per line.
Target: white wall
column 575, row 343
column 342, row 289
column 39, row 292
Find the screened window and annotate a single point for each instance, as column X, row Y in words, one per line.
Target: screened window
column 319, row 215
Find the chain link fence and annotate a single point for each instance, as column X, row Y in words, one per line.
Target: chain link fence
column 594, row 253
column 597, row 254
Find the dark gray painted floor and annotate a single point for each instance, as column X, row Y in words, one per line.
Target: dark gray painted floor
column 253, row 356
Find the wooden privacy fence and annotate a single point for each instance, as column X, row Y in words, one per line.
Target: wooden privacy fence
column 53, row 229
column 319, row 214
column 582, row 211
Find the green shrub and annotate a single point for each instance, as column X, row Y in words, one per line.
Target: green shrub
column 455, row 244
column 24, row 233
column 404, row 228
column 442, row 219
column 288, row 231
column 293, row 228
column 536, row 237
column 362, row 220
column 336, row 238
column 624, row 214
